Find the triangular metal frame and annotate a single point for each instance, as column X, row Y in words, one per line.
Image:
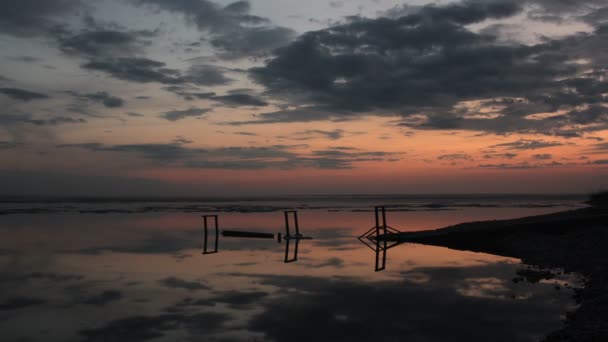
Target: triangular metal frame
column 376, row 238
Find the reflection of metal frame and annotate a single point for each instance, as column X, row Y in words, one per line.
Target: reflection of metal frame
column 375, row 238
column 288, row 237
column 295, row 251
column 257, row 235
column 206, row 234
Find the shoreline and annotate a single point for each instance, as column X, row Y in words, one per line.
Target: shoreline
column 575, row 241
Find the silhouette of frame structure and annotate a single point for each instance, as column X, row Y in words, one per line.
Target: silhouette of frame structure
column 288, row 237
column 206, row 249
column 290, row 215
column 376, row 238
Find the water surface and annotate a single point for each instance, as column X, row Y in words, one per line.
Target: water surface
column 140, row 276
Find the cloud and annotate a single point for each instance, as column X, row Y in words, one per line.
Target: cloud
column 599, row 148
column 10, row 119
column 544, row 156
column 102, row 97
column 22, row 95
column 234, row 31
column 135, row 69
column 178, row 283
column 175, row 115
column 145, row 70
column 103, row 42
column 302, row 114
column 235, row 100
column 455, row 156
column 207, row 75
column 426, row 61
column 526, row 144
column 33, row 17
column 316, row 133
column 236, row 157
column 522, row 166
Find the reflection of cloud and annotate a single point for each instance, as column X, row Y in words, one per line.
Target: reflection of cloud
column 104, row 298
column 179, row 283
column 20, row 302
column 143, row 328
column 331, row 262
column 416, row 308
column 237, row 300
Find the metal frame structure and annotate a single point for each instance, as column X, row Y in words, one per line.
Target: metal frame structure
column 376, row 238
column 206, row 234
column 257, row 235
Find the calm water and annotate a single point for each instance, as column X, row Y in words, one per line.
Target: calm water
column 70, row 273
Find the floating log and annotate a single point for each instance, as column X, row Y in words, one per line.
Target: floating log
column 252, row 235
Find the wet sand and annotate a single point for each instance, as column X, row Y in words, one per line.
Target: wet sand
column 575, row 241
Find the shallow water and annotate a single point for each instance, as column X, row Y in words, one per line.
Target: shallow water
column 142, row 277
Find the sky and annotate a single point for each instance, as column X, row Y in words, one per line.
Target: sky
column 267, row 97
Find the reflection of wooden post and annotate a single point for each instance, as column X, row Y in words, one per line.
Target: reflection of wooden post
column 206, row 234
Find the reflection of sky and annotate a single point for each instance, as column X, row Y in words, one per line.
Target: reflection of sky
column 140, row 277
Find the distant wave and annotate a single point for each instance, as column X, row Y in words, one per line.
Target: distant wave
column 353, row 203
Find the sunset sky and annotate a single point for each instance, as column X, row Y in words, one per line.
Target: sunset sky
column 216, row 98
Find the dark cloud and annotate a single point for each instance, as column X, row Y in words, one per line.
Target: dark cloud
column 599, row 148
column 525, row 144
column 500, row 155
column 207, row 75
column 252, row 42
column 426, row 62
column 235, row 32
column 235, row 100
column 144, row 70
column 544, row 156
column 34, row 17
column 103, row 43
column 232, row 99
column 251, row 134
column 19, row 118
column 22, row 95
column 175, row 115
column 303, row 114
column 135, row 69
column 20, row 302
column 179, row 283
column 520, row 166
column 315, row 133
column 102, row 97
column 455, row 156
column 104, row 298
column 276, row 156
